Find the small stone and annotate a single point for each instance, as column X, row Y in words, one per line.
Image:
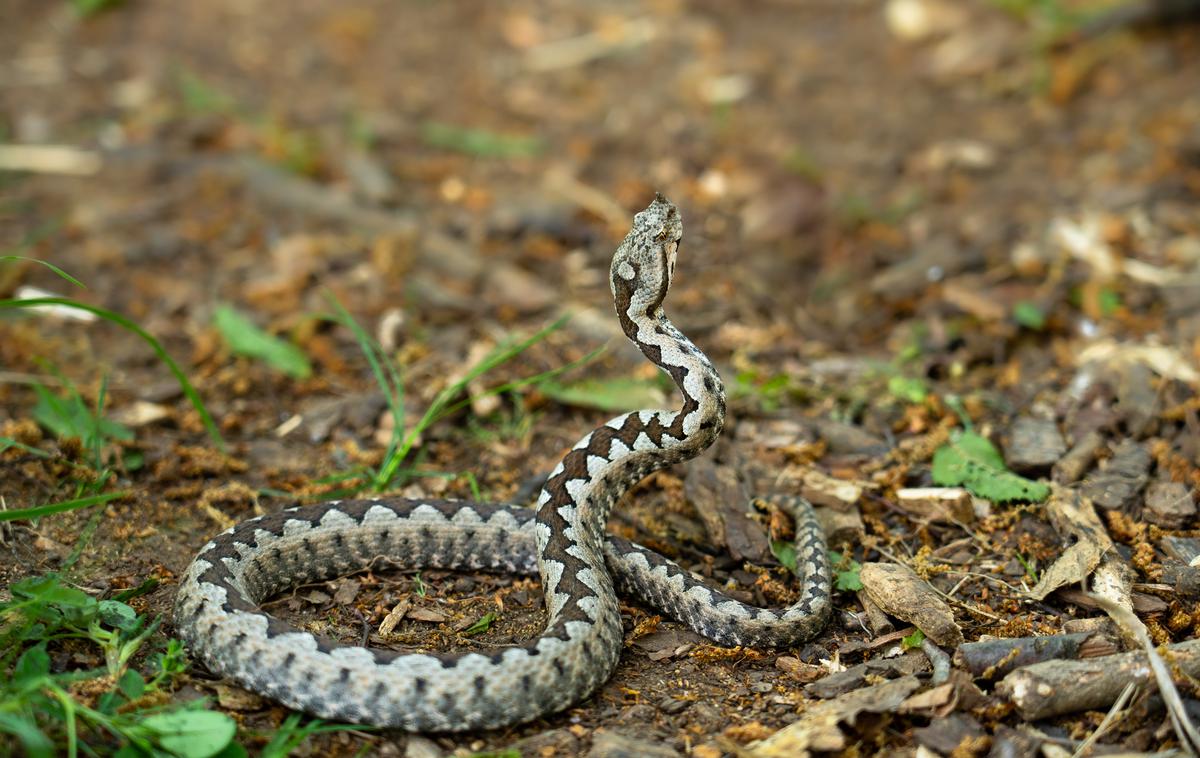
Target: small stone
column 421, row 747
column 1169, row 504
column 609, row 744
column 1035, row 445
column 674, row 706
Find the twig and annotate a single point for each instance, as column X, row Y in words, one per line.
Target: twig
column 1109, row 718
column 1189, row 738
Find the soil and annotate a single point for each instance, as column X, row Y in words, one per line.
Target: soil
column 883, row 223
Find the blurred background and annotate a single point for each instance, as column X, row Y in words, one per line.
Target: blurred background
column 886, row 204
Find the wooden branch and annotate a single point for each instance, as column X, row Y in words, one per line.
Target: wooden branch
column 1052, row 688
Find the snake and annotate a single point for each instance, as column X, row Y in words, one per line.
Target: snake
column 217, row 611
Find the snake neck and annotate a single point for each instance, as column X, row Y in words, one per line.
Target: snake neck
column 614, row 457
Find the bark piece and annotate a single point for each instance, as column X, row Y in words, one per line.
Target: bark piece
column 878, row 620
column 945, row 735
column 721, row 500
column 995, row 658
column 1136, row 397
column 1052, row 688
column 1185, row 549
column 1118, row 485
column 799, row 670
column 840, row 527
column 901, row 593
column 940, row 504
column 1072, row 466
column 822, row 489
column 1143, row 604
column 844, row 439
column 1169, row 504
column 1034, row 445
column 842, row 682
column 1183, row 578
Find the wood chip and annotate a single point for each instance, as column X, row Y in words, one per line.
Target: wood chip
column 1118, row 484
column 394, row 617
column 723, row 505
column 840, row 527
column 1072, row 466
column 821, row 489
column 904, row 595
column 1169, row 504
column 1035, row 444
column 937, row 504
column 799, row 670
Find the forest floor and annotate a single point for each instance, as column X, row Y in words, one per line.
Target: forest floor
column 908, row 229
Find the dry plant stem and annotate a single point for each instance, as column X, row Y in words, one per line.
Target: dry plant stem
column 1109, row 718
column 1184, row 728
column 1052, row 688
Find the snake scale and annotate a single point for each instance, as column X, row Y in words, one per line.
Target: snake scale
column 217, row 610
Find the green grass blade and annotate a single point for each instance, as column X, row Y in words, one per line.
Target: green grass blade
column 67, row 505
column 125, row 323
column 536, row 379
column 386, row 375
column 502, row 354
column 48, row 265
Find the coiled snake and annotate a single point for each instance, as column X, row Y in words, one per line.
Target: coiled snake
column 217, row 611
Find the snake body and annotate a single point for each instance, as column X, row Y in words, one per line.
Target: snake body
column 218, row 616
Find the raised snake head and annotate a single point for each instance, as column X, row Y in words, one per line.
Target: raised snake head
column 644, row 262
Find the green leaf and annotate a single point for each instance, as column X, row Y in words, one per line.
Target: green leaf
column 613, row 395
column 90, row 7
column 131, row 684
column 1029, row 315
column 191, row 734
column 845, row 572
column 50, row 591
column 116, row 318
column 908, row 389
column 479, row 142
column 972, row 461
column 913, row 640
column 482, row 625
column 244, row 338
column 32, row 666
column 70, row 417
column 35, row 743
column 785, row 552
column 118, row 615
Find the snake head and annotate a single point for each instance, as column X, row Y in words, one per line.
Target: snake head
column 644, row 263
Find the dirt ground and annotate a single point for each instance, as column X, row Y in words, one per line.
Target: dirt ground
column 895, row 215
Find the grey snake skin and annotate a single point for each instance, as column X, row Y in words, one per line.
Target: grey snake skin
column 564, row 541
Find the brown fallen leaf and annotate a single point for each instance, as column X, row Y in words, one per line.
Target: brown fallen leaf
column 817, row 730
column 1072, row 514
